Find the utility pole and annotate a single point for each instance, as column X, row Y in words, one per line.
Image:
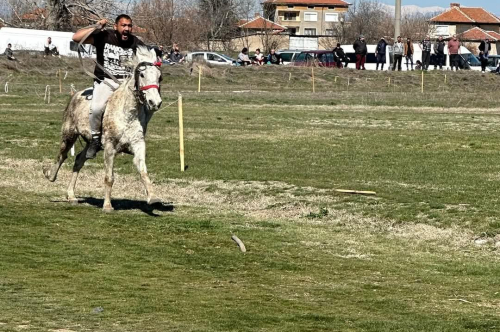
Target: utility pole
column 397, row 21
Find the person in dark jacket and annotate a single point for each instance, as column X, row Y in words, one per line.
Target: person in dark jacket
column 339, row 56
column 439, row 50
column 380, row 52
column 9, row 53
column 484, row 52
column 426, row 47
column 274, row 58
column 360, row 50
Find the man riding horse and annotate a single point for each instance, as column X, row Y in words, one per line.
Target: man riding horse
column 113, row 49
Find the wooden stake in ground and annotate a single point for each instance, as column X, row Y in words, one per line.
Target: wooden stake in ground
column 290, row 77
column 389, row 82
column 199, row 79
column 240, row 243
column 60, row 81
column 312, row 71
column 181, row 133
column 422, row 81
column 445, row 79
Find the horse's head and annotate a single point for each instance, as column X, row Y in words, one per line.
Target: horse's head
column 147, row 77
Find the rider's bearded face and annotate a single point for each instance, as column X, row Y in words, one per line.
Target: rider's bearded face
column 124, row 28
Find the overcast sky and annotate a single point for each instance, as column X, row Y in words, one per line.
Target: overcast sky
column 490, row 5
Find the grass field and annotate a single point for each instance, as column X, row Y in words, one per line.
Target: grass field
column 264, row 158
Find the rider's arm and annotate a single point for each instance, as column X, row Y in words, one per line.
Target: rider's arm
column 80, row 34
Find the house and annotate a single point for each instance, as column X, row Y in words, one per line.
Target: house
column 259, row 25
column 471, row 24
column 458, row 19
column 306, row 17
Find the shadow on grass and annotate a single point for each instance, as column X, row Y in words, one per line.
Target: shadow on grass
column 127, row 204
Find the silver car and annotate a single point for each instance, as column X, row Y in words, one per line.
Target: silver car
column 211, row 57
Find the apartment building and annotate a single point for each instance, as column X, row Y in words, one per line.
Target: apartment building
column 307, row 17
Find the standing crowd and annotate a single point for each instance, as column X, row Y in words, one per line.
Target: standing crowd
column 406, row 49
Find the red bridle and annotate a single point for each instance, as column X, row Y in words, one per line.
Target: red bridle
column 147, row 87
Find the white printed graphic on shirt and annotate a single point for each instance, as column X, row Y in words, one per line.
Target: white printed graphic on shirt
column 112, row 62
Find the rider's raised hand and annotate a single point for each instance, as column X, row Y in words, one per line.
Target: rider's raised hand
column 103, row 23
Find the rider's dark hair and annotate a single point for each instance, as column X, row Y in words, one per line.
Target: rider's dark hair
column 125, row 16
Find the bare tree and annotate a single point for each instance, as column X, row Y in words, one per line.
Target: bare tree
column 63, row 15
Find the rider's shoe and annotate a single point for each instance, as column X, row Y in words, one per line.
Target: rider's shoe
column 94, row 147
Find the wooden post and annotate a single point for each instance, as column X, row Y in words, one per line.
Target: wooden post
column 181, row 133
column 335, row 79
column 445, row 79
column 312, row 71
column 422, row 81
column 290, row 77
column 48, row 97
column 199, row 79
column 389, row 82
column 60, row 81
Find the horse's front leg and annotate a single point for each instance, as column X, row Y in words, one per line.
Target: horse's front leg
column 139, row 150
column 109, row 158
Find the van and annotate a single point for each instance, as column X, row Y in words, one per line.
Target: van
column 34, row 40
column 467, row 60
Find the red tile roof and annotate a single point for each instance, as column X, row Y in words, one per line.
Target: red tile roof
column 261, row 23
column 309, row 2
column 476, row 34
column 466, row 15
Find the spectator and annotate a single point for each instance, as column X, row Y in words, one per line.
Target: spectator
column 176, row 55
column 8, row 52
column 426, row 47
column 273, row 58
column 418, row 65
column 454, row 52
column 159, row 53
column 360, row 50
column 259, row 57
column 484, row 52
column 408, row 53
column 243, row 58
column 439, row 50
column 380, row 52
column 398, row 54
column 50, row 49
column 339, row 56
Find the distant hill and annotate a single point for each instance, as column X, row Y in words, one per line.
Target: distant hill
column 413, row 9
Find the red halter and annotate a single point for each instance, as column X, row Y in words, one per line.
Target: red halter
column 152, row 86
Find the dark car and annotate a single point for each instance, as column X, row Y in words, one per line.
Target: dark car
column 315, row 58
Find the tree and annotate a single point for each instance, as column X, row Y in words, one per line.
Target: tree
column 219, row 17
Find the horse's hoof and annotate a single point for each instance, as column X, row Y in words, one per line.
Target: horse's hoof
column 73, row 201
column 107, row 209
column 154, row 201
column 46, row 172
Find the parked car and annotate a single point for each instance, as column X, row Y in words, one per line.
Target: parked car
column 288, row 56
column 493, row 61
column 211, row 57
column 315, row 58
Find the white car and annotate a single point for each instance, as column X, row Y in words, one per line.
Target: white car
column 211, row 57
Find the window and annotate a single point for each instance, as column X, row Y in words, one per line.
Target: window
column 310, row 17
column 198, row 56
column 442, row 30
column 310, row 7
column 290, row 16
column 213, row 57
column 329, row 32
column 310, row 32
column 331, row 17
column 290, row 6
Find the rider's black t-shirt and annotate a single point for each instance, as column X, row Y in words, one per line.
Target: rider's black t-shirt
column 109, row 49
